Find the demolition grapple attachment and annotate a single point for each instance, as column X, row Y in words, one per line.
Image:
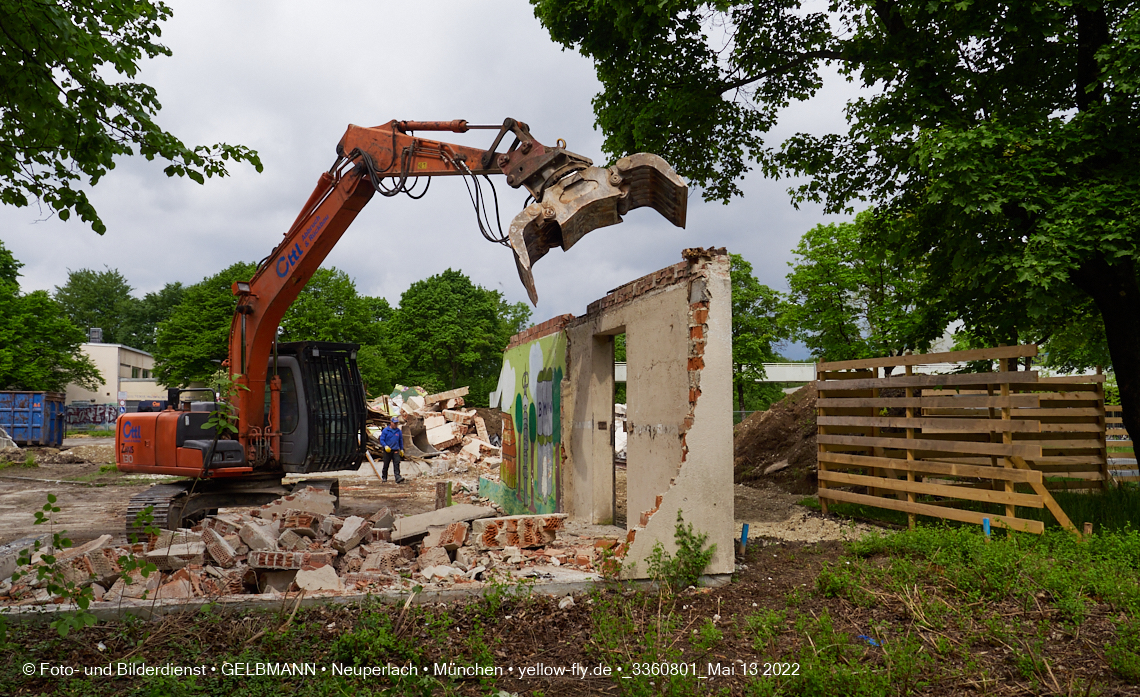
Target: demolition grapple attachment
column 572, row 197
column 590, row 198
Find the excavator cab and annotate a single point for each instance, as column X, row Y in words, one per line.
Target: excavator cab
column 322, row 406
column 322, row 430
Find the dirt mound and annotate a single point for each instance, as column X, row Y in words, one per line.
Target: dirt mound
column 97, row 454
column 12, row 455
column 51, row 456
column 779, row 445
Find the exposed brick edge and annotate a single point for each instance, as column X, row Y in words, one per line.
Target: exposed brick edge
column 550, row 326
column 697, row 267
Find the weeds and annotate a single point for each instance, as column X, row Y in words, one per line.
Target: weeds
column 708, row 636
column 1124, row 653
column 29, row 462
column 765, row 626
column 683, row 569
column 54, row 577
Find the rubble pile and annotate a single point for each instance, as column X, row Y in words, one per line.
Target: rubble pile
column 298, row 543
column 437, row 428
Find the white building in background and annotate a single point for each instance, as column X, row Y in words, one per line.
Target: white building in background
column 127, row 375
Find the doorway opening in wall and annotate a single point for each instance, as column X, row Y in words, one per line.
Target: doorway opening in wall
column 619, row 430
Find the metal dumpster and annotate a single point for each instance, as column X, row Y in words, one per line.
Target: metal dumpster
column 33, row 418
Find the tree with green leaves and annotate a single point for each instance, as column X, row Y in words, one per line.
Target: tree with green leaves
column 852, row 298
column 755, row 331
column 140, row 327
column 1003, row 134
column 330, row 309
column 450, row 332
column 98, row 299
column 192, row 343
column 71, row 103
column 39, row 344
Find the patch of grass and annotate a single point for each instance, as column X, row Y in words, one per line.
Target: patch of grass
column 1124, row 653
column 839, row 580
column 765, row 626
column 708, row 636
column 1114, row 509
column 29, row 462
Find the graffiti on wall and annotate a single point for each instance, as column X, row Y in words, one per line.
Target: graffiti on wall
column 92, row 416
column 530, row 391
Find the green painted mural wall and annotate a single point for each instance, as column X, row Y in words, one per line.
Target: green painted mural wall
column 530, row 390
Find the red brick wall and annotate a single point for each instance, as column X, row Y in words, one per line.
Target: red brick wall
column 550, row 326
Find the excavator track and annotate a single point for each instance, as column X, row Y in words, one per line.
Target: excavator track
column 180, row 504
column 163, row 497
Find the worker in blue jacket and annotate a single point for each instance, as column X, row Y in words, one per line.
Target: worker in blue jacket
column 392, row 440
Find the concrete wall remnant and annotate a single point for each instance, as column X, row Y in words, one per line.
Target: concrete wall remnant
column 677, row 323
column 529, row 390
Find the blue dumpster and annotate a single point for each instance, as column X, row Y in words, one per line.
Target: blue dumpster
column 33, row 418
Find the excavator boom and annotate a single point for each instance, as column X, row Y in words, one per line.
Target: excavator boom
column 572, row 198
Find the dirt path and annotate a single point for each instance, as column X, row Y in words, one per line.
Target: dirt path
column 93, row 502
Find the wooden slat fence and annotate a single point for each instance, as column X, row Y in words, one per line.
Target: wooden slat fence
column 1122, row 454
column 933, row 444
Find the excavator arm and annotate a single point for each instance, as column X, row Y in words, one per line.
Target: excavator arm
column 571, row 198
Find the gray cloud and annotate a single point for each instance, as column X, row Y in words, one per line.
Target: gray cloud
column 287, row 77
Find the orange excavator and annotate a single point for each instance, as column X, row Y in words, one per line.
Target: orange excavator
column 299, row 407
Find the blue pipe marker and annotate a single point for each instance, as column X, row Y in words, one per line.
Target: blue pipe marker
column 986, row 526
column 744, row 539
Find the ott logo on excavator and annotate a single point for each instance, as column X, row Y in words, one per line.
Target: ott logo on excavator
column 131, row 432
column 288, row 261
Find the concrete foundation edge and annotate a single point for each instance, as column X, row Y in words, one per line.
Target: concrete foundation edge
column 146, row 609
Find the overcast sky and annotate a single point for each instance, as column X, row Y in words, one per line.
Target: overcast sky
column 286, row 78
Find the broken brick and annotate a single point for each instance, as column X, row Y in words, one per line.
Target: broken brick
column 290, row 540
column 302, row 523
column 289, row 560
column 516, row 531
column 351, row 533
column 451, row 537
column 218, row 548
column 382, row 518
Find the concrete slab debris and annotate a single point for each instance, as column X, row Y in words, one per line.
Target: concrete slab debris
column 445, row 396
column 10, row 552
column 308, row 500
column 445, row 436
column 382, row 518
column 258, row 537
column 417, row 525
column 351, row 533
column 320, row 579
column 177, row 556
column 432, row 556
column 291, row 541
